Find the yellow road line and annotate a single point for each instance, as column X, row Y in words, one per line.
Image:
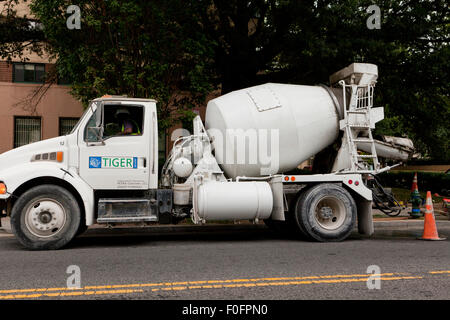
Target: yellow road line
column 439, row 272
column 142, row 285
column 217, row 286
column 286, row 283
column 67, row 294
column 301, row 282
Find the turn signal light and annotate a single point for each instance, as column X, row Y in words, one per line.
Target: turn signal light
column 52, row 156
column 2, row 188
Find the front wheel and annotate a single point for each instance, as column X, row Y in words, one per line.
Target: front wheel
column 325, row 212
column 45, row 217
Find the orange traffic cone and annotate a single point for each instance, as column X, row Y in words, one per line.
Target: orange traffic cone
column 414, row 186
column 416, row 200
column 429, row 227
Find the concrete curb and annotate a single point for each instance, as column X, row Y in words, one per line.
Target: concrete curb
column 407, row 224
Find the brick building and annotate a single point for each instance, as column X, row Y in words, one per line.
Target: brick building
column 21, row 122
column 54, row 115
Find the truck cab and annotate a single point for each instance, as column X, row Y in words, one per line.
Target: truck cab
column 112, row 150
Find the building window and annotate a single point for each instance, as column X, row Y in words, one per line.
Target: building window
column 28, row 72
column 66, row 125
column 26, row 130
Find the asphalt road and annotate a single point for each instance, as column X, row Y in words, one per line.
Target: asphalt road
column 249, row 263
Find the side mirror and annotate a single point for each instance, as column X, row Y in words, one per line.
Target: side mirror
column 99, row 115
column 95, row 135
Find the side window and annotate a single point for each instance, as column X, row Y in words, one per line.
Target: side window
column 118, row 120
column 123, row 120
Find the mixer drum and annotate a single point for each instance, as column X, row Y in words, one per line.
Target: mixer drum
column 270, row 128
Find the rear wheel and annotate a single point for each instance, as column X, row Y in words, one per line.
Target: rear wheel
column 45, row 217
column 325, row 212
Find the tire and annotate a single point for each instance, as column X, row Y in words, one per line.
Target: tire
column 287, row 228
column 46, row 217
column 325, row 212
column 81, row 229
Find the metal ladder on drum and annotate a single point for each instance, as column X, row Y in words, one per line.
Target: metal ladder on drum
column 357, row 126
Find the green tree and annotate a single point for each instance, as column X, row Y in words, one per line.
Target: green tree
column 18, row 35
column 248, row 35
column 164, row 48
column 305, row 41
column 149, row 49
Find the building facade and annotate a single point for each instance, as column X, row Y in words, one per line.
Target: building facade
column 22, row 122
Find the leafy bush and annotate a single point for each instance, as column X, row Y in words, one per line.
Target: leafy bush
column 427, row 181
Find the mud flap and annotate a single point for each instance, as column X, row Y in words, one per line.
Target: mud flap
column 365, row 219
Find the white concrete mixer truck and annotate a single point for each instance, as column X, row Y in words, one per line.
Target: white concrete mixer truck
column 233, row 168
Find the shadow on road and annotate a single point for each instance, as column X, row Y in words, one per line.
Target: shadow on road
column 118, row 237
column 129, row 237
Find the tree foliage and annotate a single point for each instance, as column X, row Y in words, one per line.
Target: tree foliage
column 17, row 35
column 304, row 42
column 162, row 48
column 148, row 49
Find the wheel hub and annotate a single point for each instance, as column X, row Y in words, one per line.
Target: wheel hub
column 330, row 213
column 326, row 212
column 45, row 218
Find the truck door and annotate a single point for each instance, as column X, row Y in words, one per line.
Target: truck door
column 114, row 149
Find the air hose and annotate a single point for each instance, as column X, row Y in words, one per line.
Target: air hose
column 382, row 200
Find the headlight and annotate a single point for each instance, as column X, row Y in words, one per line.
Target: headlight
column 51, row 156
column 3, row 189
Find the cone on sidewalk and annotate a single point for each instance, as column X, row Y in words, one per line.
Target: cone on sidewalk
column 414, row 186
column 429, row 226
column 416, row 200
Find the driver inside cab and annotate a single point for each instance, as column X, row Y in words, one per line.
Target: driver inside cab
column 123, row 125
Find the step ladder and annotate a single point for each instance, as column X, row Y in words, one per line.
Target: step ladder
column 357, row 127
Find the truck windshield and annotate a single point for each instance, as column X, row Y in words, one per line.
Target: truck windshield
column 82, row 117
column 75, row 128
